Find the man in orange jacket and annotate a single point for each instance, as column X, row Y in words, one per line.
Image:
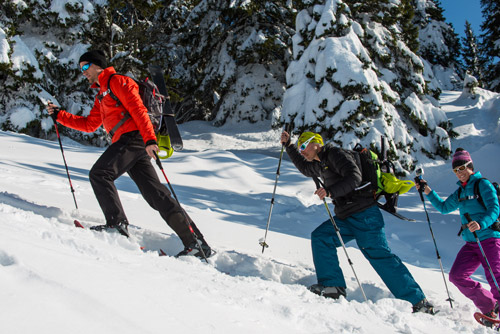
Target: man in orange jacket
column 133, row 146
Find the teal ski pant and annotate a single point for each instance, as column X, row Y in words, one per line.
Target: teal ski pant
column 367, row 228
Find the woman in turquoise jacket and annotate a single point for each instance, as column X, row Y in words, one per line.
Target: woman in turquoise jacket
column 483, row 218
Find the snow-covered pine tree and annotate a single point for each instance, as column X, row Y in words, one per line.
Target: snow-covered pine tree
column 439, row 45
column 227, row 57
column 471, row 54
column 126, row 32
column 354, row 79
column 469, row 91
column 8, row 80
column 490, row 44
column 41, row 40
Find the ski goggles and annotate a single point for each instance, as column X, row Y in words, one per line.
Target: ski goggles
column 85, row 67
column 304, row 144
column 460, row 168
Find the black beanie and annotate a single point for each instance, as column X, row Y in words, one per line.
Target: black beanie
column 96, row 57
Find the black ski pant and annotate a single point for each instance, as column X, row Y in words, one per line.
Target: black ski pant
column 128, row 154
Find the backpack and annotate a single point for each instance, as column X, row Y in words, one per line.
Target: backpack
column 379, row 176
column 369, row 164
column 153, row 101
column 151, row 98
column 477, row 195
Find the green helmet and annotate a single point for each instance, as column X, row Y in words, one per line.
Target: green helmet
column 165, row 149
column 305, row 136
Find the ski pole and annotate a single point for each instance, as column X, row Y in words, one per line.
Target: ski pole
column 263, row 242
column 418, row 180
column 337, row 230
column 193, row 233
column 469, row 219
column 53, row 116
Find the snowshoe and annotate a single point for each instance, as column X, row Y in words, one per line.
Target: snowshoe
column 424, row 306
column 194, row 250
column 489, row 319
column 333, row 292
column 121, row 227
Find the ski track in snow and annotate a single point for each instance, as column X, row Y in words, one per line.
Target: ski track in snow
column 229, row 262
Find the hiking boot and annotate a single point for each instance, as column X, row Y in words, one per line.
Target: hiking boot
column 121, row 227
column 194, row 250
column 424, row 306
column 333, row 292
column 492, row 314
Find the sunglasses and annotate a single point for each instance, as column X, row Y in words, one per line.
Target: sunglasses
column 304, row 144
column 460, row 168
column 85, row 67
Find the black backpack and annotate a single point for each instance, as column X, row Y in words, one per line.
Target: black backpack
column 477, row 195
column 152, row 99
column 369, row 164
column 372, row 167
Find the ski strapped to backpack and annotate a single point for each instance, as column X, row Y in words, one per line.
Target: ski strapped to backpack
column 168, row 123
column 477, row 196
column 154, row 102
column 378, row 175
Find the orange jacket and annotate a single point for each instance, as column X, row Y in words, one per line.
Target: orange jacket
column 107, row 112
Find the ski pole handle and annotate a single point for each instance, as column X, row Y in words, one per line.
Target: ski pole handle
column 54, row 111
column 469, row 219
column 421, row 186
column 318, row 185
column 158, row 162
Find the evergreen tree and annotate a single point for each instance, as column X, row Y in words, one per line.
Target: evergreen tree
column 409, row 28
column 226, row 60
column 8, row 29
column 491, row 42
column 439, row 44
column 354, row 79
column 125, row 31
column 471, row 54
column 38, row 35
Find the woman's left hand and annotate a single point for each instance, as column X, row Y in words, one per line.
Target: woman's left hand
column 474, row 226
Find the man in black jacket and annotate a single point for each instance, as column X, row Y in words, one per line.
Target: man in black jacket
column 358, row 218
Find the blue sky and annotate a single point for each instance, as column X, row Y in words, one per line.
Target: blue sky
column 457, row 11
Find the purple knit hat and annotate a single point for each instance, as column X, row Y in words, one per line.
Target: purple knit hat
column 461, row 157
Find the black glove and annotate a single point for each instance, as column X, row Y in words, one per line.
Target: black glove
column 421, row 183
column 55, row 112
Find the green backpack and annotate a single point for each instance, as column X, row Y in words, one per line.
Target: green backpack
column 378, row 175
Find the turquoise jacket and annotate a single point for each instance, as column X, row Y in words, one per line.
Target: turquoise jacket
column 485, row 217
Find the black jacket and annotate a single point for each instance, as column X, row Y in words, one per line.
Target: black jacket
column 341, row 175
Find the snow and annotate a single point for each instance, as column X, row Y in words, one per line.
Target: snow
column 21, row 57
column 59, row 279
column 21, row 116
column 4, row 47
column 87, row 7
